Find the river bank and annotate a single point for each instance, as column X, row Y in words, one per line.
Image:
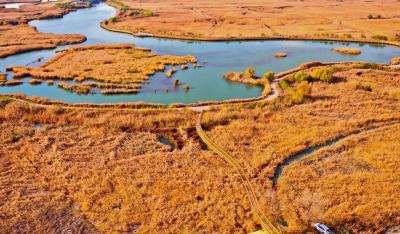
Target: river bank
column 251, row 20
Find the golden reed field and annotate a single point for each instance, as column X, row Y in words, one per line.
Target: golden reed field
column 105, row 171
column 22, row 38
column 106, row 168
column 119, row 68
column 375, row 20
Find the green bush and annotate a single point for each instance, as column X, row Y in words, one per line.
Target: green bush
column 124, row 8
column 269, row 76
column 322, row 74
column 249, row 72
column 113, row 20
column 4, row 100
column 298, row 93
column 380, row 37
column 62, row 5
column 304, row 88
column 301, row 76
column 284, row 84
column 366, row 66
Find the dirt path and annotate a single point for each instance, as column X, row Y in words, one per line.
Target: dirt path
column 267, row 225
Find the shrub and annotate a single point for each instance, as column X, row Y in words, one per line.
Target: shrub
column 62, row 5
column 301, row 76
column 380, row 37
column 284, row 84
column 322, row 74
column 366, row 66
column 249, row 72
column 304, row 88
column 147, row 13
column 124, row 8
column 186, row 87
column 4, row 100
column 113, row 20
column 269, row 76
column 176, row 82
column 300, row 92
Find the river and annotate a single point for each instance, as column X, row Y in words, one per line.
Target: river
column 207, row 83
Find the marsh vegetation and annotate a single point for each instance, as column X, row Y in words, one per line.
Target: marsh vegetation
column 134, row 182
column 114, row 69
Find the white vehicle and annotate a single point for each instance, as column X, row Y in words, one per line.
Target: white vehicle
column 322, row 228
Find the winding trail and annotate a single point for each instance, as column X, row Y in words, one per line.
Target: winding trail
column 267, row 225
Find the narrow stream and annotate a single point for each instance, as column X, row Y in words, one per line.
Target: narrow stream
column 301, row 155
column 206, row 83
column 166, row 141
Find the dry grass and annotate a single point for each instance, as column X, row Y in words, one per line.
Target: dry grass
column 351, row 51
column 16, row 36
column 208, row 19
column 261, row 136
column 32, row 12
column 117, row 64
column 23, row 38
column 109, row 171
column 352, row 185
column 13, row 82
column 3, row 78
column 80, row 89
column 35, row 81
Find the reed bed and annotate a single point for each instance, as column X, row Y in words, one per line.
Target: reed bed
column 350, row 51
column 280, row 55
column 3, row 78
column 80, row 89
column 117, row 185
column 13, row 82
column 118, row 66
column 261, row 136
column 358, row 176
column 244, row 78
column 119, row 91
column 22, row 38
column 35, row 81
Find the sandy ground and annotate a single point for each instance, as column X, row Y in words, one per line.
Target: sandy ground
column 228, row 19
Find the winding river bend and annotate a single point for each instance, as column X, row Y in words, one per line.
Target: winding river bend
column 206, row 83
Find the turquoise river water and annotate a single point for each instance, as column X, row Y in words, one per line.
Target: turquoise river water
column 207, row 83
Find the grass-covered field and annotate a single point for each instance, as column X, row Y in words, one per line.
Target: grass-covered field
column 353, row 185
column 245, row 19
